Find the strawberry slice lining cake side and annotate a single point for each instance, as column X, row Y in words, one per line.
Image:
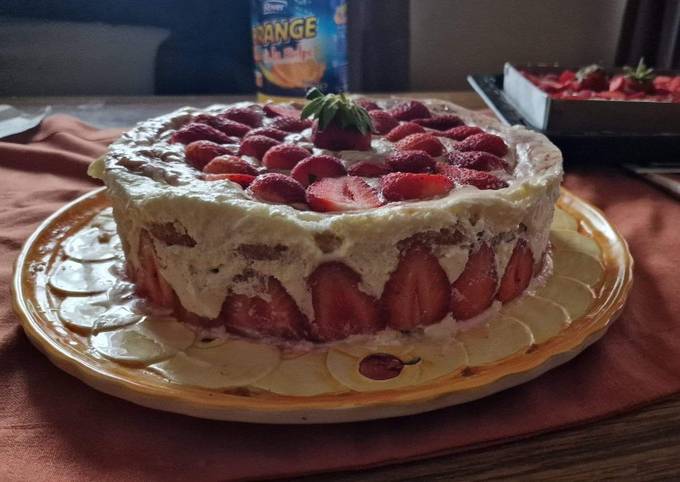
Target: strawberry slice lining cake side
column 325, row 221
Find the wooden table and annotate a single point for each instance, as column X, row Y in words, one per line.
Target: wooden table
column 640, row 445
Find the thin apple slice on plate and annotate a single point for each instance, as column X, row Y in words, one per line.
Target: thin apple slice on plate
column 80, row 312
column 93, row 244
column 347, row 370
column 145, row 342
column 567, row 240
column 303, row 376
column 439, row 359
column 82, row 278
column 573, row 295
column 543, row 317
column 562, row 220
column 501, row 338
column 578, row 265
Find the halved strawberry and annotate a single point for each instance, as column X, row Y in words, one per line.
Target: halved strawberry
column 257, row 146
column 277, row 134
column 383, row 122
column 463, row 177
column 228, row 164
column 243, row 180
column 439, row 122
column 409, row 110
column 341, row 309
column 274, row 314
column 368, row 169
column 199, row 153
column 284, row 156
column 410, row 161
column 313, row 168
column 461, row 132
column 421, row 142
column 277, row 188
column 200, row 132
column 244, row 115
column 484, row 142
column 349, row 193
column 229, row 127
column 478, row 160
column 291, row 124
column 148, row 278
column 401, row 186
column 418, row 292
column 280, row 110
column 337, row 138
column 517, row 274
column 403, row 130
column 474, row 290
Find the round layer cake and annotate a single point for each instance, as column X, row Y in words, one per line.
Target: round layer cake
column 262, row 222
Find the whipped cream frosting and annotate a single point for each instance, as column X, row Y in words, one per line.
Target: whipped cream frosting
column 149, row 183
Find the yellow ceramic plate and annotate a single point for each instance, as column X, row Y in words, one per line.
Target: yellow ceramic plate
column 162, row 366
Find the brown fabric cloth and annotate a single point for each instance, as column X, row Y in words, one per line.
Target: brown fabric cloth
column 53, row 427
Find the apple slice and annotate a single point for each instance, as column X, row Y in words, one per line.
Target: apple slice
column 93, row 245
column 544, row 318
column 80, row 312
column 562, row 220
column 501, row 338
column 82, row 278
column 345, row 369
column 185, row 370
column 440, row 359
column 302, row 376
column 573, row 295
column 566, row 240
column 145, row 342
column 578, row 265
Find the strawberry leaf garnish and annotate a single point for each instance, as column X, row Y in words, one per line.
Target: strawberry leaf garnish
column 337, row 109
column 641, row 73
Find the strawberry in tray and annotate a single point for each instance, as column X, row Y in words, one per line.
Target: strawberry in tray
column 345, row 216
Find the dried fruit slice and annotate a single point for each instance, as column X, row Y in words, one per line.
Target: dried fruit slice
column 146, row 342
column 581, row 266
column 575, row 297
column 544, row 318
column 501, row 338
column 562, row 220
column 93, row 245
column 474, row 290
column 345, row 369
column 439, row 359
column 82, row 278
column 302, row 376
column 567, row 240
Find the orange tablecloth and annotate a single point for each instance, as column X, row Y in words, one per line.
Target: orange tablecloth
column 53, row 427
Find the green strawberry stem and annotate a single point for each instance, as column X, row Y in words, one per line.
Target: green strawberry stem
column 641, row 73
column 337, row 109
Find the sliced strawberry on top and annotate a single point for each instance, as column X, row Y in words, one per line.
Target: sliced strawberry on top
column 274, row 314
column 290, row 124
column 461, row 132
column 200, row 153
column 244, row 115
column 368, row 169
column 383, row 122
column 367, row 104
column 200, row 132
column 148, row 278
column 439, row 122
column 228, row 164
column 277, row 134
column 341, row 309
column 284, row 156
column 421, row 142
column 280, row 110
column 277, row 188
column 418, row 292
column 517, row 274
column 243, row 180
column 257, row 146
column 335, row 194
column 402, row 186
column 478, row 160
column 313, row 168
column 484, row 142
column 469, row 177
column 229, row 127
column 403, row 130
column 412, row 109
column 474, row 290
column 410, row 161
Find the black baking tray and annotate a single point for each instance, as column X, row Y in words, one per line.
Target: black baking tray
column 586, row 146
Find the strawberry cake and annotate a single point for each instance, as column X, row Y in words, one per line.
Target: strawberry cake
column 344, row 216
